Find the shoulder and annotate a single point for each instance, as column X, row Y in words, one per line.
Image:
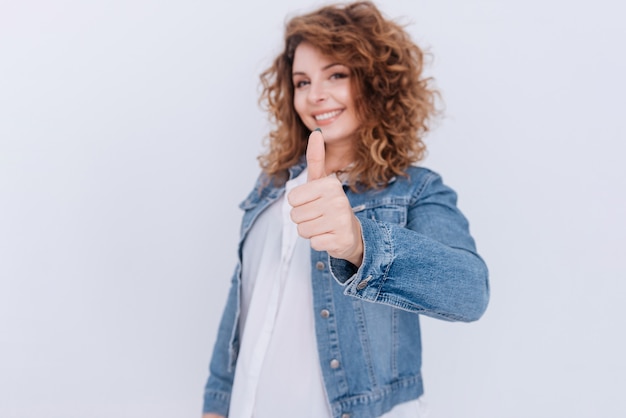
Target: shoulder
column 415, row 185
column 419, row 176
column 418, row 180
column 425, row 183
column 267, row 185
column 264, row 186
column 405, row 188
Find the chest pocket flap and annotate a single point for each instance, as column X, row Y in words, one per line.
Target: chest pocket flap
column 393, row 212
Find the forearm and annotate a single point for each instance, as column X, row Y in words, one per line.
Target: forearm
column 412, row 271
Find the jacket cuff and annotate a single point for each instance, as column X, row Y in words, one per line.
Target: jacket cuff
column 216, row 402
column 377, row 259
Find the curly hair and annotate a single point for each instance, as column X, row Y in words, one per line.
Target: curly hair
column 394, row 102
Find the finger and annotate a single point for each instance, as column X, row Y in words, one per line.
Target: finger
column 309, row 192
column 316, row 156
column 314, row 227
column 306, row 212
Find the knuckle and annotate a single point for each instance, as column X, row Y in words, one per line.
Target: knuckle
column 290, row 197
column 293, row 214
column 303, row 231
column 315, row 244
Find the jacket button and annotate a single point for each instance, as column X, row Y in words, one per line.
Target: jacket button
column 334, row 364
column 319, row 265
column 362, row 285
column 324, row 313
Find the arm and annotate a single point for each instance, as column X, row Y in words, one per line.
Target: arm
column 430, row 266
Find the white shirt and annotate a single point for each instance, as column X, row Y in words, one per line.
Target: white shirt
column 278, row 371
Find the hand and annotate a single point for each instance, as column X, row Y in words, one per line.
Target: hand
column 322, row 211
column 212, row 416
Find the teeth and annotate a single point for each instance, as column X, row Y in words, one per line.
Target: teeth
column 327, row 115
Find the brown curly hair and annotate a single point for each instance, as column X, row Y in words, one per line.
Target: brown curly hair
column 394, row 102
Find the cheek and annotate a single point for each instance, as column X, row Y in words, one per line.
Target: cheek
column 348, row 101
column 300, row 106
column 346, row 97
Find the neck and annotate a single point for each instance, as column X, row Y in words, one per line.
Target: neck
column 338, row 157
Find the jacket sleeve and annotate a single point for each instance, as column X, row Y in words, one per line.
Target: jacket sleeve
column 430, row 266
column 222, row 366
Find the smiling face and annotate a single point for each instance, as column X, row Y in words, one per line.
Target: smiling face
column 323, row 98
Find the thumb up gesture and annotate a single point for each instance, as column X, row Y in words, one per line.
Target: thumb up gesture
column 322, row 211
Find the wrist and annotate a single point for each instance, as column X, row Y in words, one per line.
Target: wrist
column 356, row 256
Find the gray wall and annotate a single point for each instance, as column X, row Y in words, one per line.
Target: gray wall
column 128, row 135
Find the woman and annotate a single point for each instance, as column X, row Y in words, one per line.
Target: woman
column 344, row 240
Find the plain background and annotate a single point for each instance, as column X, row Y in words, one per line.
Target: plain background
column 129, row 132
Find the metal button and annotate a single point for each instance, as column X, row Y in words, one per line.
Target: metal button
column 324, row 313
column 362, row 285
column 334, row 363
column 319, row 265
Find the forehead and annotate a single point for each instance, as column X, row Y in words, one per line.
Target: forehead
column 307, row 56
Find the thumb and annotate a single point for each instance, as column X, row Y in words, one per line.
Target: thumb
column 316, row 156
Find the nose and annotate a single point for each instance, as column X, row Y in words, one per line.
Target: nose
column 317, row 93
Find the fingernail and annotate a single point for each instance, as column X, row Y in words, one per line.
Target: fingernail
column 317, row 129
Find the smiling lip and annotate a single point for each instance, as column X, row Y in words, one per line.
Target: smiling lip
column 322, row 117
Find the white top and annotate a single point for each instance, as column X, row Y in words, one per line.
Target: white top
column 278, row 371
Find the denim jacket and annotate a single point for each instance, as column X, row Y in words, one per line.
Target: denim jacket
column 419, row 258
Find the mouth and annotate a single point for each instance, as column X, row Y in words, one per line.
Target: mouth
column 327, row 115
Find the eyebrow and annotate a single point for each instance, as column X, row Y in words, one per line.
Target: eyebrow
column 323, row 69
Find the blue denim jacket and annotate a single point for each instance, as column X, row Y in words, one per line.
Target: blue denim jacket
column 419, row 258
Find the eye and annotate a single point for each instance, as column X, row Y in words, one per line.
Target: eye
column 300, row 83
column 338, row 76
